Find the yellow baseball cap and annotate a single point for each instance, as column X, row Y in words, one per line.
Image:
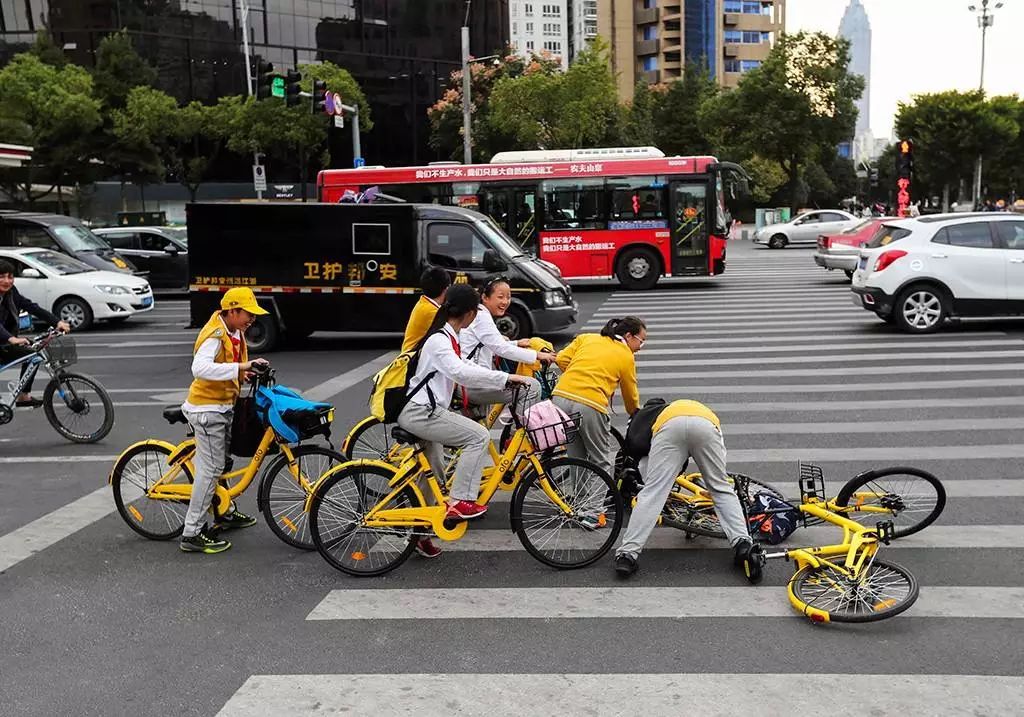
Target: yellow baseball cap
column 241, row 297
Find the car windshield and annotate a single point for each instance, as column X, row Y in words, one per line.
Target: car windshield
column 179, row 235
column 60, row 263
column 78, row 238
column 858, row 226
column 886, row 235
column 498, row 239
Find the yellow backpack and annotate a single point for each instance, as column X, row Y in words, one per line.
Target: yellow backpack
column 390, row 390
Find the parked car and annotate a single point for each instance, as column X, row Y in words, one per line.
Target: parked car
column 841, row 251
column 76, row 292
column 805, row 229
column 916, row 273
column 162, row 252
column 60, row 233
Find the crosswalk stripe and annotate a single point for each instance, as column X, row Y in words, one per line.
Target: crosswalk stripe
column 844, row 329
column 58, row 459
column 846, row 389
column 822, row 323
column 43, row 532
column 643, row 364
column 877, row 427
column 899, row 454
column 803, row 372
column 755, row 313
column 725, row 408
column 815, row 343
column 616, row 695
column 632, row 602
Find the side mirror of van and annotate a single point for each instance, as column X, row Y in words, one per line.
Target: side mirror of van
column 171, row 249
column 492, row 262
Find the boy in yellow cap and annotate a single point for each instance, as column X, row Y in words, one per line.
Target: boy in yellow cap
column 220, row 363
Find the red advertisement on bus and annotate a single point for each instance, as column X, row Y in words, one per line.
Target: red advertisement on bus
column 630, row 213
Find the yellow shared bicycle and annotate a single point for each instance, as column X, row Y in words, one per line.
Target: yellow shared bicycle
column 152, row 479
column 366, row 515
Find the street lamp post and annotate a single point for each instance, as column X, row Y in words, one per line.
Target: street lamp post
column 986, row 19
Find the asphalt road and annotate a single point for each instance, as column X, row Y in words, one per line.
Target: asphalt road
column 97, row 621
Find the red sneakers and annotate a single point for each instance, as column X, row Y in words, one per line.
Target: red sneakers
column 426, row 548
column 465, row 510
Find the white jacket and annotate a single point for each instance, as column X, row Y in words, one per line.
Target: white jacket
column 439, row 355
column 483, row 332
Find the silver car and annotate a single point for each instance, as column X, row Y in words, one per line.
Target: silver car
column 806, row 228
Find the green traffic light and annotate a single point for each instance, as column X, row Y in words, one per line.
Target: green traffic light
column 277, row 86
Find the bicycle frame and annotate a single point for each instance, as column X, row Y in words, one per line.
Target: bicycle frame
column 34, row 361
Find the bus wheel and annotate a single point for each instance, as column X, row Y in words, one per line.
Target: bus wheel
column 515, row 324
column 262, row 335
column 638, row 268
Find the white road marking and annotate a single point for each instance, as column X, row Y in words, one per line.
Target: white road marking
column 849, row 389
column 334, row 386
column 53, row 527
column 621, row 695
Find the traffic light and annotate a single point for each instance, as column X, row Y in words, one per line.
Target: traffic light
column 318, row 102
column 905, row 159
column 264, row 79
column 292, row 89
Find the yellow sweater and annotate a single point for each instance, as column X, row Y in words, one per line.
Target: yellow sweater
column 684, row 408
column 203, row 392
column 420, row 319
column 593, row 366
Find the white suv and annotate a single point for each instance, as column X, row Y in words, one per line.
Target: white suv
column 916, row 273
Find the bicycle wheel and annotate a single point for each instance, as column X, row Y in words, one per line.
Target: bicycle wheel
column 336, row 518
column 136, row 470
column 282, row 498
column 560, row 540
column 369, row 439
column 701, row 519
column 910, row 497
column 882, row 590
column 78, row 407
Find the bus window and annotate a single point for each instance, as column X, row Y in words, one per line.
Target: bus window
column 455, row 246
column 525, row 224
column 637, row 198
column 572, row 204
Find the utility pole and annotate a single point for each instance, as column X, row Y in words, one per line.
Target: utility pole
column 467, row 114
column 244, row 6
column 986, row 19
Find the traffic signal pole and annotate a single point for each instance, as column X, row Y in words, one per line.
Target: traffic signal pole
column 248, row 74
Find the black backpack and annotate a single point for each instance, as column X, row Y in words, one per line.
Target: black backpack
column 637, row 442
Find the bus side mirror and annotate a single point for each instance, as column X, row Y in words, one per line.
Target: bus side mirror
column 492, row 262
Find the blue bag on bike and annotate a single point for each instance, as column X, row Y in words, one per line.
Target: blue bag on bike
column 293, row 417
column 24, row 322
column 771, row 518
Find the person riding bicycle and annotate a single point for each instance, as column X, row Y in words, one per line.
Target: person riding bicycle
column 426, row 415
column 675, row 432
column 481, row 341
column 12, row 346
column 593, row 366
column 220, row 363
column 434, row 282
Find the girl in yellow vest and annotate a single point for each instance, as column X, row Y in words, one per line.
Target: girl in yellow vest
column 220, row 363
column 593, row 366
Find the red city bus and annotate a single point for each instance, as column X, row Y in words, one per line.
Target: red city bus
column 630, row 213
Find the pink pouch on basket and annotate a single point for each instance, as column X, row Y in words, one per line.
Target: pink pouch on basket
column 545, row 424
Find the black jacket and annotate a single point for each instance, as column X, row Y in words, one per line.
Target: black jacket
column 13, row 303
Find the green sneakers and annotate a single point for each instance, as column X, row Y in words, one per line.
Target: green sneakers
column 202, row 543
column 235, row 519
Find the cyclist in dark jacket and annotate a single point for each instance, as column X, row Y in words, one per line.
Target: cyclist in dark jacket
column 12, row 346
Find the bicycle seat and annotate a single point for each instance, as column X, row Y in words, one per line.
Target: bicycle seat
column 174, row 414
column 403, row 436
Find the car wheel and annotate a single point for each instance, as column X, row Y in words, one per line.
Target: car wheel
column 779, row 241
column 515, row 324
column 638, row 269
column 920, row 309
column 75, row 311
column 262, row 336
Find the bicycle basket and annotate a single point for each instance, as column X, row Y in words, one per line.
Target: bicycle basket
column 812, row 482
column 310, row 422
column 547, row 426
column 62, row 351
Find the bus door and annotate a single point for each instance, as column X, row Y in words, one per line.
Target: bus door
column 688, row 208
column 514, row 209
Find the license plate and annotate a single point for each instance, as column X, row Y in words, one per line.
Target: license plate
column 147, row 302
column 863, row 262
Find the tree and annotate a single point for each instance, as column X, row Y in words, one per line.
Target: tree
column 118, row 69
column 1004, row 174
column 140, row 131
column 950, row 130
column 195, row 135
column 678, row 130
column 445, row 115
column 577, row 108
column 640, row 116
column 799, row 101
column 53, row 110
column 768, row 178
column 47, row 51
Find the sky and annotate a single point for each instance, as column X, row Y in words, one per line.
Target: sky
column 921, row 46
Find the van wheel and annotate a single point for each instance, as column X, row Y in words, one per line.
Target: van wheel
column 638, row 269
column 779, row 241
column 75, row 311
column 920, row 309
column 263, row 335
column 515, row 324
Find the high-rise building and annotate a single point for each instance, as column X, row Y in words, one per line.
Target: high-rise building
column 536, row 27
column 582, row 25
column 856, row 28
column 401, row 52
column 652, row 40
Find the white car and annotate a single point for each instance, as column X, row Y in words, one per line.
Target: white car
column 806, row 228
column 76, row 292
column 916, row 273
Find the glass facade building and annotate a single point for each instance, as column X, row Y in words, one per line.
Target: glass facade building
column 400, row 51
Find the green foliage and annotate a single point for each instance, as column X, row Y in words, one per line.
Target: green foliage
column 768, row 178
column 118, row 69
column 338, row 80
column 47, row 51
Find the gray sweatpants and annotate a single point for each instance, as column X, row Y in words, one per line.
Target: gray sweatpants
column 526, row 397
column 441, row 427
column 679, row 438
column 594, row 440
column 213, row 436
